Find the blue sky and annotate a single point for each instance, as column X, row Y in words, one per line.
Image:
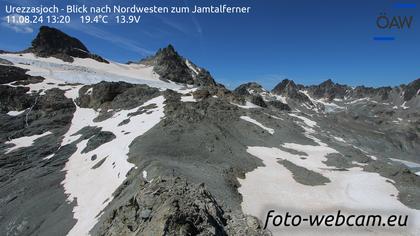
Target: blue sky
column 308, row 41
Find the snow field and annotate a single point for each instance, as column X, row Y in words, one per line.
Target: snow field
column 92, row 188
column 354, row 191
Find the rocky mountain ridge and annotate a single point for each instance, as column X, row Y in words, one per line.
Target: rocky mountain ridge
column 328, row 91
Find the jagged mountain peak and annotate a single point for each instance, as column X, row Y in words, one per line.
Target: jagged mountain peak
column 52, row 42
column 285, row 86
column 288, row 88
column 50, row 38
column 171, row 66
column 169, row 50
column 328, row 90
column 327, row 82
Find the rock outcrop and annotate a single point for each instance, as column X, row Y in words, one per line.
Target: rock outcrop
column 172, row 206
column 51, row 42
column 115, row 95
column 249, row 89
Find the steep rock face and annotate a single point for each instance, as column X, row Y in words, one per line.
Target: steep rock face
column 328, row 90
column 412, row 90
column 42, row 112
column 14, row 99
column 289, row 89
column 204, row 78
column 32, row 197
column 51, row 42
column 17, row 76
column 279, row 105
column 362, row 92
column 10, row 74
column 258, row 100
column 171, row 66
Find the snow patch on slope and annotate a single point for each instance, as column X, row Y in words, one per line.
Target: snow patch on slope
column 144, row 173
column 248, row 105
column 188, row 99
column 249, row 119
column 307, row 121
column 352, row 191
column 191, row 67
column 25, row 141
column 273, row 116
column 92, row 188
column 359, row 100
column 328, row 106
column 407, row 163
column 339, row 139
column 15, row 113
column 280, row 98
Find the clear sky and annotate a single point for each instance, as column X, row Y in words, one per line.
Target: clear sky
column 308, row 41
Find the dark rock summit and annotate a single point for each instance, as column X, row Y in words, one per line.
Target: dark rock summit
column 289, row 89
column 171, row 66
column 51, row 42
column 328, row 90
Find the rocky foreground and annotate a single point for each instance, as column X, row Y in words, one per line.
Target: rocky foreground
column 158, row 147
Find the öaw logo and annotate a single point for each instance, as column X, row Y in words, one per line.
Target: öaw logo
column 394, row 22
